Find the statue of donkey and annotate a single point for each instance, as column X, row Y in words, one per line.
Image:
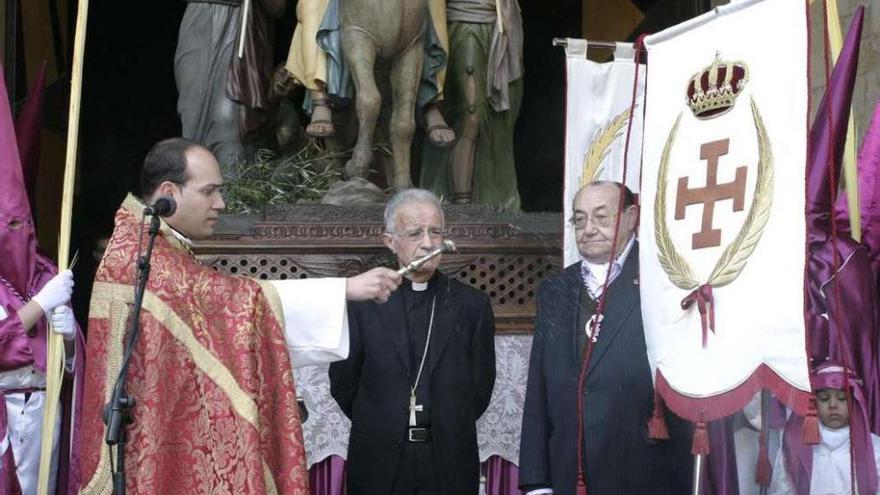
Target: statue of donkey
column 391, row 31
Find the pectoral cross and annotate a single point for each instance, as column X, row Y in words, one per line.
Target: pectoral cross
column 413, row 408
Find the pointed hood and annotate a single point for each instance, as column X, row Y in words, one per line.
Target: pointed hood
column 838, row 96
column 27, row 132
column 18, row 242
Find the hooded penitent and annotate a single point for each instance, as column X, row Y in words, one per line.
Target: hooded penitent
column 23, row 272
column 842, row 300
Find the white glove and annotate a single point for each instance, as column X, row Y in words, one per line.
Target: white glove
column 56, row 292
column 63, row 323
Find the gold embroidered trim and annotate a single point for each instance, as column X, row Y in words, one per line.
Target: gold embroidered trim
column 269, row 480
column 273, row 299
column 116, row 311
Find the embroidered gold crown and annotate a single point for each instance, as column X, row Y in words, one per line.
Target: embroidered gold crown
column 713, row 91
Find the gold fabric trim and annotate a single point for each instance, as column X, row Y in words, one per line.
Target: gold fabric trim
column 273, row 299
column 276, row 308
column 271, row 489
column 106, row 298
column 117, row 313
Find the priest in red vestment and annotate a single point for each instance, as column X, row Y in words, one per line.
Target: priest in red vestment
column 215, row 403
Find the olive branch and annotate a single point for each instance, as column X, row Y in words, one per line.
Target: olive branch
column 601, row 146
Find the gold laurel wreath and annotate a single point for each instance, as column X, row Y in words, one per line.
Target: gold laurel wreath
column 734, row 258
column 675, row 266
column 601, row 146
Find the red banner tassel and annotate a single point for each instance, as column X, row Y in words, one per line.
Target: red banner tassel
column 702, row 295
column 701, row 439
column 657, row 428
column 763, row 471
column 581, row 485
column 811, row 424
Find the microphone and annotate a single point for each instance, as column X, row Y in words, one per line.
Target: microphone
column 446, row 246
column 164, row 206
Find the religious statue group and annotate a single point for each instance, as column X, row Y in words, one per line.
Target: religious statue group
column 453, row 66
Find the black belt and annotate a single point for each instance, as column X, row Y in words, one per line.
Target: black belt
column 414, row 434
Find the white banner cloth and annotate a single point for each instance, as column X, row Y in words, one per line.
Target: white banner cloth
column 598, row 99
column 754, row 262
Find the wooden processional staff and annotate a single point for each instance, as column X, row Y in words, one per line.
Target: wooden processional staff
column 55, row 352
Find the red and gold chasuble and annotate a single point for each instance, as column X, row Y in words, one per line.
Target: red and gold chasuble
column 215, row 399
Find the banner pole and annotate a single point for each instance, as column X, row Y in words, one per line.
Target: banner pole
column 765, row 430
column 698, row 473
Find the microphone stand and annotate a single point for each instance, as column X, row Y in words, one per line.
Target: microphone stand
column 117, row 412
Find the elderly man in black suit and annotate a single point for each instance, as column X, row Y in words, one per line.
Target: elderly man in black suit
column 619, row 458
column 420, row 371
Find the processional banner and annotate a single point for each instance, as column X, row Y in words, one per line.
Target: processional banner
column 598, row 100
column 722, row 228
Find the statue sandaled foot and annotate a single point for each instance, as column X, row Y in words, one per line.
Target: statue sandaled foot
column 438, row 132
column 321, row 125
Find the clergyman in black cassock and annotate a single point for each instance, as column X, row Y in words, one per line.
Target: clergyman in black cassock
column 420, row 370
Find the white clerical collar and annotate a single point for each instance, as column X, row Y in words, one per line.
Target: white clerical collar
column 419, row 286
column 602, row 268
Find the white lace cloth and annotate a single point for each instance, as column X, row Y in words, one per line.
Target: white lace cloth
column 498, row 430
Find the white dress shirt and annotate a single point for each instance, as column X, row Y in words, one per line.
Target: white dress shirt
column 594, row 273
